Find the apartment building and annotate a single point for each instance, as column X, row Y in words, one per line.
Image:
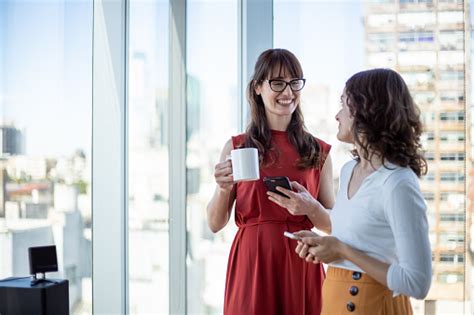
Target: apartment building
column 425, row 42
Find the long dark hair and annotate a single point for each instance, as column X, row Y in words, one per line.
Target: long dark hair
column 258, row 132
column 386, row 120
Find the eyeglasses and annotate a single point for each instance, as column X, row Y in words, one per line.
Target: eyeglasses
column 278, row 85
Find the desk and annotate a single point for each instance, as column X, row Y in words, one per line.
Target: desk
column 17, row 296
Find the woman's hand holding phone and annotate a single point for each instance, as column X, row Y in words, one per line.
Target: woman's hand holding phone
column 299, row 202
column 307, row 240
column 292, row 236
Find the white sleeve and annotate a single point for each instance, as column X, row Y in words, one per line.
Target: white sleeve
column 405, row 211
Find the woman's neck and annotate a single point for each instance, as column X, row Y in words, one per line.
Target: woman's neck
column 372, row 162
column 279, row 123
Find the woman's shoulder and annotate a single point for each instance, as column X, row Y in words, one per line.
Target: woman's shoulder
column 397, row 175
column 325, row 147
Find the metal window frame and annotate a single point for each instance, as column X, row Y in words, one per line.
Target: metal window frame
column 255, row 36
column 109, row 157
column 109, row 145
column 177, row 157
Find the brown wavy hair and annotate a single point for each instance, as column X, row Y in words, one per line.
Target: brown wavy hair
column 258, row 133
column 386, row 120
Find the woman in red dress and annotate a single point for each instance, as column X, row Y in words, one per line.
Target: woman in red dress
column 263, row 274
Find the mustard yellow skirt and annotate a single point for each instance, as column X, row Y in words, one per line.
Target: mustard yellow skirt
column 352, row 292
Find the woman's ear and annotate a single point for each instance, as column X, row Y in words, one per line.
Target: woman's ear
column 257, row 88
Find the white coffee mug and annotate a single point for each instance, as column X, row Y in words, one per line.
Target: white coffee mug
column 245, row 165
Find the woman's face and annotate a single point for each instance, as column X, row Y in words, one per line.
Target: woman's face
column 281, row 103
column 346, row 120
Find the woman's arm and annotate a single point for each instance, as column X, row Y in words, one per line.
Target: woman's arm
column 406, row 214
column 320, row 218
column 220, row 206
column 326, row 185
column 328, row 249
column 405, row 211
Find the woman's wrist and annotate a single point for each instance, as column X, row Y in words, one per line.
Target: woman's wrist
column 315, row 209
column 224, row 192
column 343, row 249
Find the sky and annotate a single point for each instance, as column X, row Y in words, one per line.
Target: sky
column 46, row 57
column 46, row 79
column 46, row 76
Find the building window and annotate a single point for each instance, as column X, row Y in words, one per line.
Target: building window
column 451, row 75
column 452, row 116
column 415, row 1
column 453, row 156
column 452, row 96
column 450, row 277
column 453, row 258
column 452, row 217
column 428, row 195
column 412, row 37
column 451, row 177
column 451, row 136
column 417, row 79
column 415, row 20
column 381, row 20
column 430, row 156
column 380, row 41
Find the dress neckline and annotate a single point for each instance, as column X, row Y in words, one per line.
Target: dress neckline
column 278, row 132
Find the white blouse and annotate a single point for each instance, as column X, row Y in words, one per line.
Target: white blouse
column 386, row 219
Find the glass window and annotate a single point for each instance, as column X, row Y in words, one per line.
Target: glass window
column 450, row 17
column 148, row 208
column 381, row 42
column 419, row 79
column 415, row 1
column 451, row 40
column 451, row 258
column 458, row 156
column 450, row 277
column 410, row 37
column 421, row 97
column 401, row 37
column 429, row 156
column 451, row 75
column 451, row 136
column 451, row 177
column 451, row 58
column 381, row 20
column 452, row 116
column 46, row 130
column 429, row 196
column 451, row 1
column 452, row 96
column 417, row 58
column 416, row 19
column 212, row 118
column 453, row 217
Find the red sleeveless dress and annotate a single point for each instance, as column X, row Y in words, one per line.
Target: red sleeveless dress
column 264, row 274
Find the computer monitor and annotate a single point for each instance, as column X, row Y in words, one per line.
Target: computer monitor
column 42, row 259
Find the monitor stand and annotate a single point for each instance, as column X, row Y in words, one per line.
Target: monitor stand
column 36, row 280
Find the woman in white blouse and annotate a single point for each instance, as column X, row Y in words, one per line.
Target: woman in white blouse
column 378, row 250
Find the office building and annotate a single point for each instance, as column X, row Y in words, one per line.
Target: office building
column 11, row 140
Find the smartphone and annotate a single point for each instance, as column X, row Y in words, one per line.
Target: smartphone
column 292, row 236
column 273, row 181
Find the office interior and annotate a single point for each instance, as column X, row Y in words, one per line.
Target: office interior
column 114, row 113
